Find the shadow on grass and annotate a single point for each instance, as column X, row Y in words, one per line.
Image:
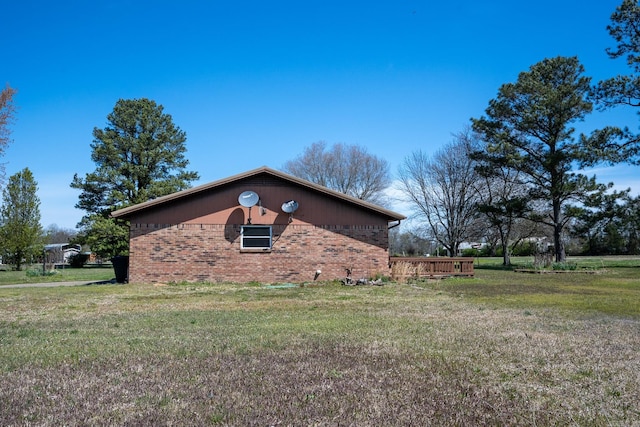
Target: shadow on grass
column 105, row 282
column 497, row 267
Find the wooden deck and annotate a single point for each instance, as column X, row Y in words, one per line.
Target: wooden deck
column 405, row 267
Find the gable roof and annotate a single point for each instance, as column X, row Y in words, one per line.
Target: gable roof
column 150, row 204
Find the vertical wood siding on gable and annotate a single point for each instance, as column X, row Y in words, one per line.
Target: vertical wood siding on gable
column 220, row 206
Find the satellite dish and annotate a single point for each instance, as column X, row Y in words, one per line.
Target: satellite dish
column 248, row 199
column 290, row 207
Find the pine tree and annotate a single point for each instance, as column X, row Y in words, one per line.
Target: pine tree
column 139, row 156
column 528, row 127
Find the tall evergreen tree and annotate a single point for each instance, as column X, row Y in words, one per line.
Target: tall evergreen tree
column 601, row 223
column 139, row 155
column 528, row 127
column 20, row 229
column 623, row 90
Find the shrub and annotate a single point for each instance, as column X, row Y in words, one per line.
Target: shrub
column 78, row 260
column 381, row 277
column 566, row 266
column 36, row 272
column 469, row 252
column 402, row 271
column 525, row 248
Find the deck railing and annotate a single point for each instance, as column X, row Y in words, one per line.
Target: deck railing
column 405, row 267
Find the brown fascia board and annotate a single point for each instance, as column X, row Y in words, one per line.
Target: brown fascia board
column 126, row 212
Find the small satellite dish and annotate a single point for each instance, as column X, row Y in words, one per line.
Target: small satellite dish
column 290, row 207
column 248, row 199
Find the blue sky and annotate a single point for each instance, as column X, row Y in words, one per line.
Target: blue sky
column 253, row 83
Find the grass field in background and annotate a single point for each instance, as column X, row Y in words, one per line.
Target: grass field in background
column 608, row 285
column 503, row 348
column 91, row 273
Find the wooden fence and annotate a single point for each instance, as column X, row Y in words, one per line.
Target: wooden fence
column 406, row 267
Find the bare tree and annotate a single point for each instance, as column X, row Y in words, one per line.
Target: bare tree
column 349, row 169
column 55, row 234
column 7, row 115
column 502, row 199
column 408, row 243
column 441, row 191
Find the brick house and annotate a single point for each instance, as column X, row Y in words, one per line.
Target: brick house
column 262, row 225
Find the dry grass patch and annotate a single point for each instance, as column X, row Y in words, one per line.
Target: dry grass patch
column 324, row 355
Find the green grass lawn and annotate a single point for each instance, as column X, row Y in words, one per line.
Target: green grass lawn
column 32, row 274
column 599, row 285
column 502, row 348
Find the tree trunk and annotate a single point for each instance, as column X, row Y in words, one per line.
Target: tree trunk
column 506, row 256
column 558, row 244
column 504, row 242
column 18, row 260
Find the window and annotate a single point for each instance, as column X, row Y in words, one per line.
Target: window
column 255, row 237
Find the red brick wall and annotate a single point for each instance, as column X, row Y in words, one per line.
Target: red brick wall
column 211, row 253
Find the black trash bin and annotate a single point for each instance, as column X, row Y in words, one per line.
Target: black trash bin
column 121, row 268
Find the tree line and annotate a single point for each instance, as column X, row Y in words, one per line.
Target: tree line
column 513, row 175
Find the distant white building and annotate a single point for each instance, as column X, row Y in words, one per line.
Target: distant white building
column 59, row 253
column 471, row 245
